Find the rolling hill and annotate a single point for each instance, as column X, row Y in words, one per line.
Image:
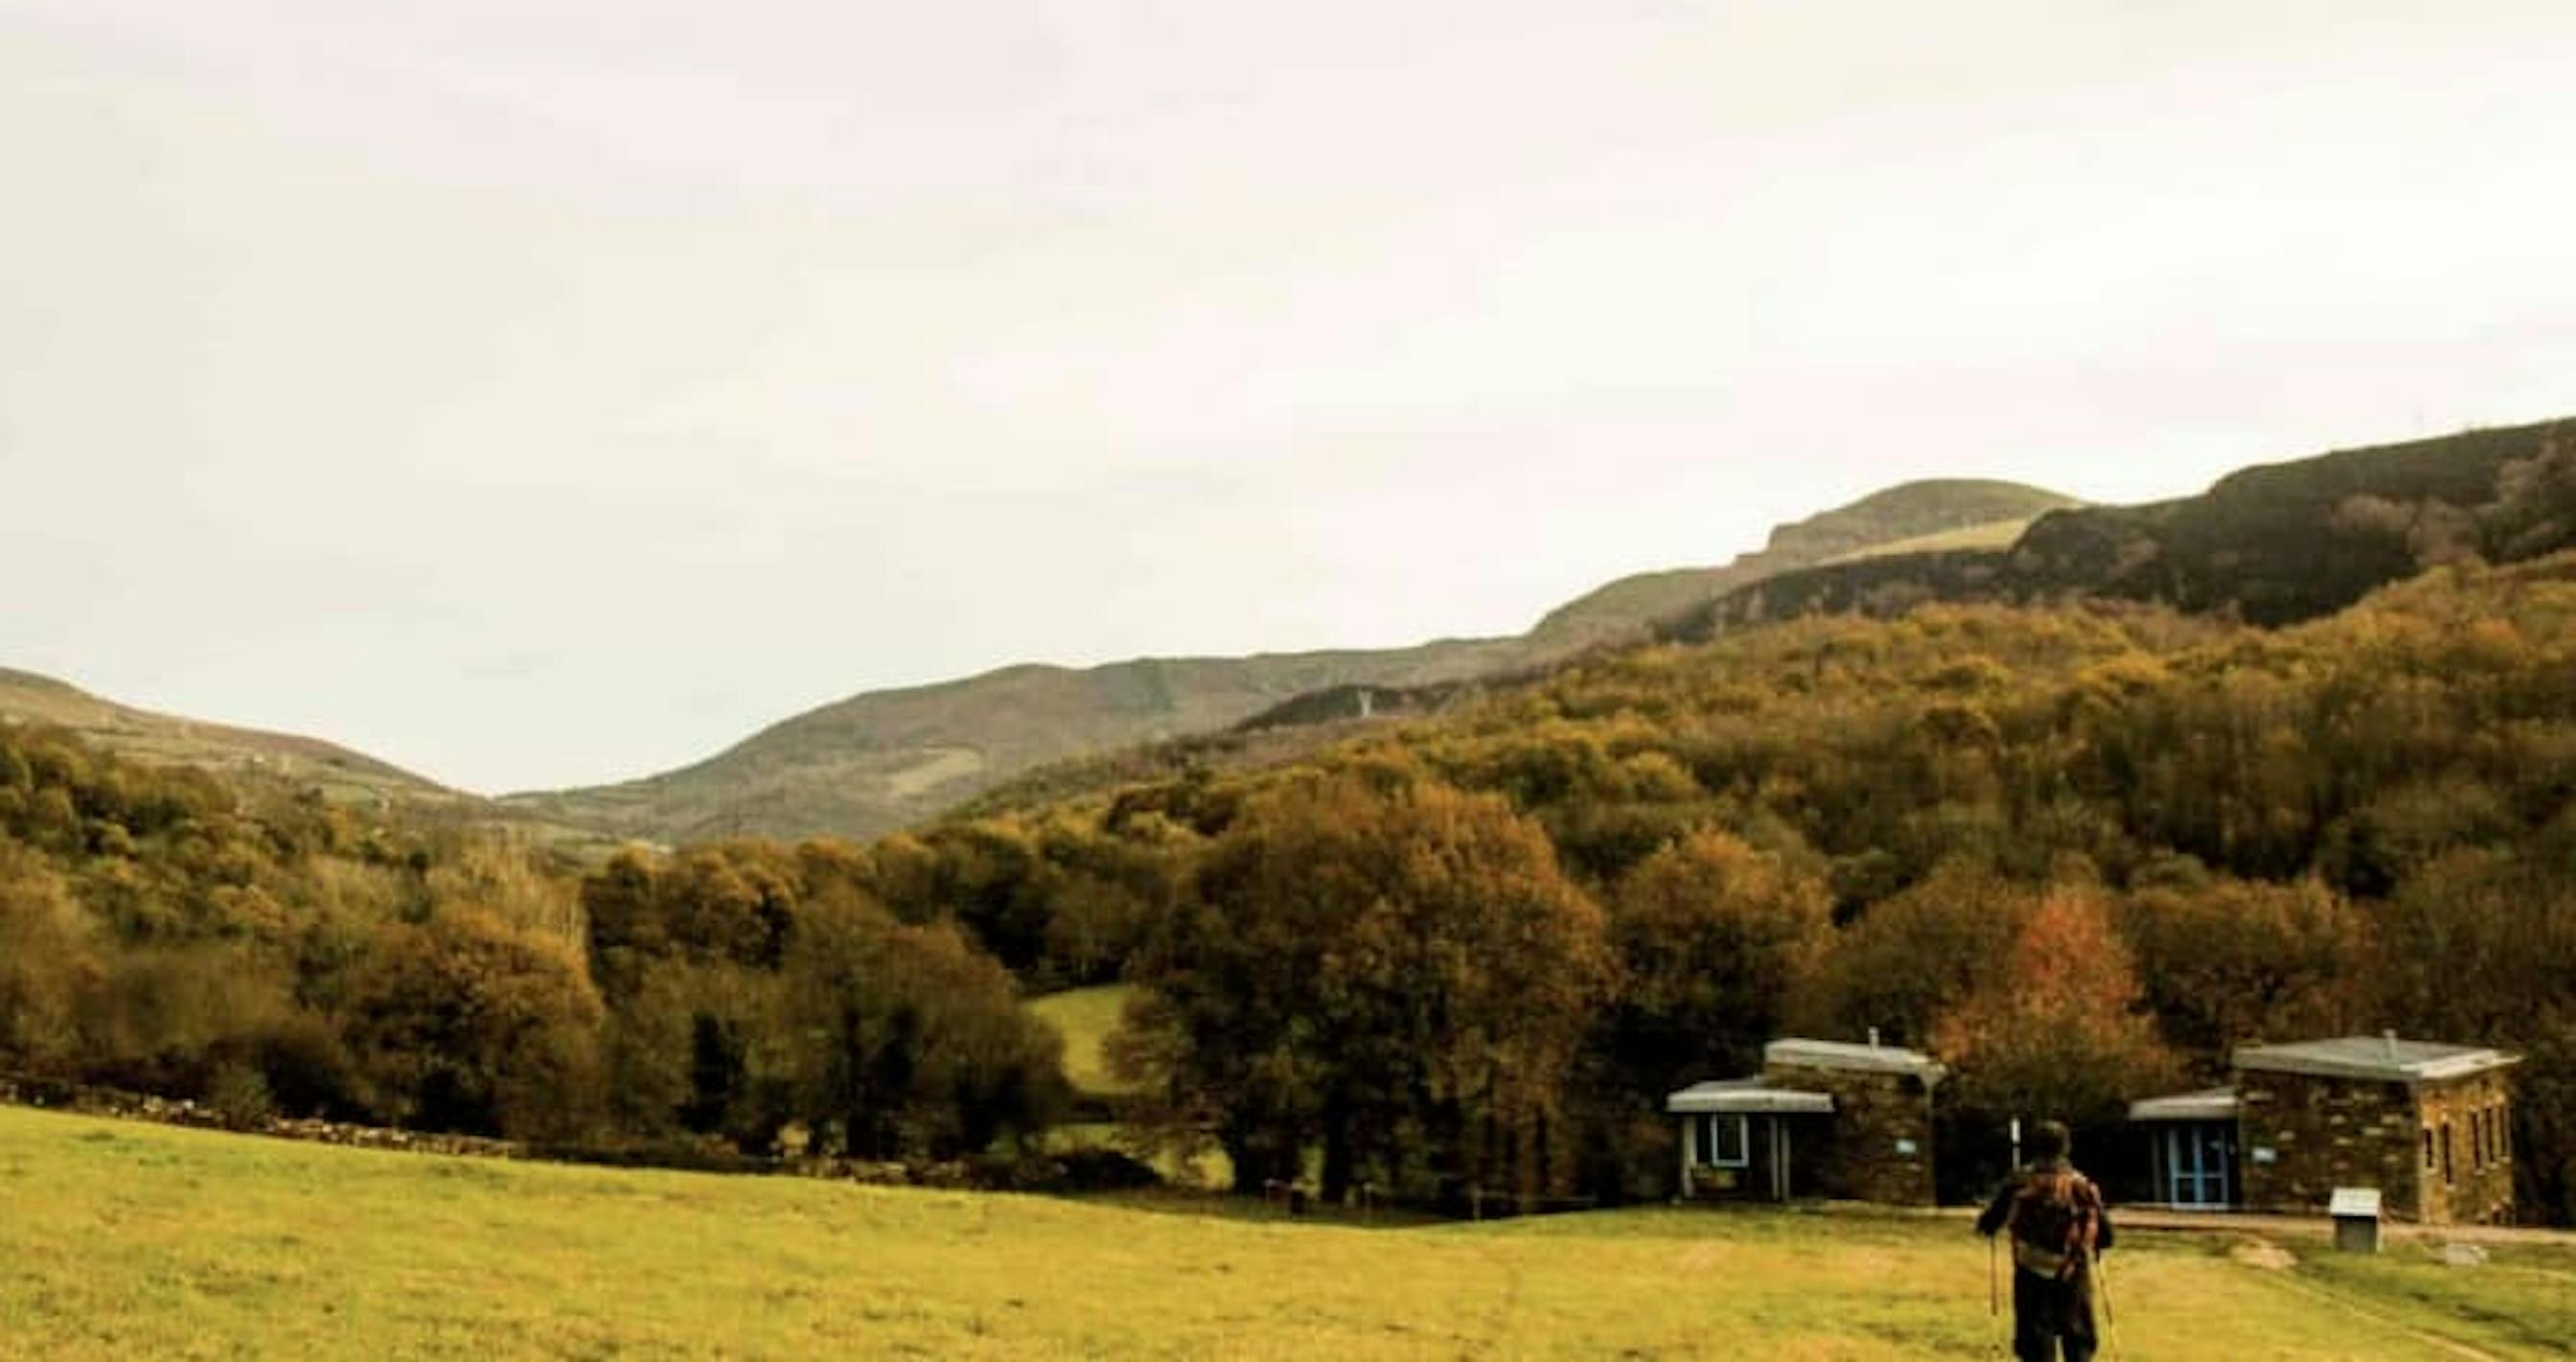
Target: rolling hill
column 27, row 698
column 884, row 759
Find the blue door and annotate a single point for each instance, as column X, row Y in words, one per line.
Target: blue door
column 2199, row 1159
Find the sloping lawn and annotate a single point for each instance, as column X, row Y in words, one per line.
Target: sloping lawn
column 120, row 1240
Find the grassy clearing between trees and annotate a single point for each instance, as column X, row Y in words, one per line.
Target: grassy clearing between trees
column 1085, row 1017
column 126, row 1240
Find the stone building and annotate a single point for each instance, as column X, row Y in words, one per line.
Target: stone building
column 2428, row 1125
column 1823, row 1118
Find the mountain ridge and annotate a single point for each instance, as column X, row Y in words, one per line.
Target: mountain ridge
column 2273, row 543
column 878, row 760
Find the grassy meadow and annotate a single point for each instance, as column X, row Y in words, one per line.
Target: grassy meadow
column 127, row 1240
column 1085, row 1017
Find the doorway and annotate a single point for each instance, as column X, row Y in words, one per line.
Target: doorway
column 2199, row 1164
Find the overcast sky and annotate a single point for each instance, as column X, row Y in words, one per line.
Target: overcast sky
column 534, row 392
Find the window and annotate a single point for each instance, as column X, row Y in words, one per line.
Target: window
column 2428, row 1149
column 1723, row 1142
column 2446, row 1151
column 2503, row 1128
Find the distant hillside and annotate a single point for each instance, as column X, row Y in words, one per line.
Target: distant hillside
column 1899, row 515
column 29, row 699
column 1994, row 534
column 2272, row 544
column 885, row 759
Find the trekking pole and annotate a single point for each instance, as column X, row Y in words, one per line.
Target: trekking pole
column 2110, row 1321
column 1994, row 1302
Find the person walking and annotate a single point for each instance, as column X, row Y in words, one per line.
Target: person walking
column 2057, row 1225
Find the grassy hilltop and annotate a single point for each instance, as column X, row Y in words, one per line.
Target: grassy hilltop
column 133, row 1240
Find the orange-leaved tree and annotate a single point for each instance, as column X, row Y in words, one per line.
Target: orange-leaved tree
column 2060, row 1029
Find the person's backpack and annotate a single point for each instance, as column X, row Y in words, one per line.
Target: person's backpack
column 2054, row 1220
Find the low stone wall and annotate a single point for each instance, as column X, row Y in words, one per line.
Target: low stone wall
column 134, row 1106
column 1037, row 1173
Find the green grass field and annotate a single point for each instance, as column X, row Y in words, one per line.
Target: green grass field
column 127, row 1240
column 1085, row 1017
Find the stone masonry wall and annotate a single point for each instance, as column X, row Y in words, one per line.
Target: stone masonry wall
column 1856, row 1154
column 2324, row 1133
column 2479, row 1190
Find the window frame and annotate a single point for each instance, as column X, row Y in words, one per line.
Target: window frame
column 1711, row 1147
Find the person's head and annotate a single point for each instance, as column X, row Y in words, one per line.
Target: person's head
column 2049, row 1142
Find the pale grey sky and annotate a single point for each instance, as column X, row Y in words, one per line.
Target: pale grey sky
column 537, row 392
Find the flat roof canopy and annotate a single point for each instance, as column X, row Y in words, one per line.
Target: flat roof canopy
column 1871, row 1058
column 1747, row 1095
column 2383, row 1057
column 2209, row 1104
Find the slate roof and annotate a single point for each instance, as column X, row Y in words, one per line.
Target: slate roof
column 2383, row 1057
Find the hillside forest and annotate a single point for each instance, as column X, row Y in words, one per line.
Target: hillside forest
column 2077, row 849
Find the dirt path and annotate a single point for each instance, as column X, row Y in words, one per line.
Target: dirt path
column 2347, row 1305
column 2128, row 1218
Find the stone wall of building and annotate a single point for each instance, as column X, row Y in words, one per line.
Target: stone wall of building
column 1878, row 1145
column 2476, row 1185
column 2428, row 1148
column 2306, row 1135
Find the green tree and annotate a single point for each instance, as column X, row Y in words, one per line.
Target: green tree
column 905, row 1040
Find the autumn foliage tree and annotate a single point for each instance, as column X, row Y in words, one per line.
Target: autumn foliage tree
column 1911, row 959
column 2059, row 1027
column 1400, row 976
column 2480, row 947
column 898, row 1041
column 467, row 1023
column 2225, row 962
column 1714, row 940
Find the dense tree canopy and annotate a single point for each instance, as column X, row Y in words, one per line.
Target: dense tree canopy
column 1463, row 951
column 1400, row 976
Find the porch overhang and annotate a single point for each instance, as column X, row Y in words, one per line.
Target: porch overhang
column 2209, row 1104
column 1747, row 1096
